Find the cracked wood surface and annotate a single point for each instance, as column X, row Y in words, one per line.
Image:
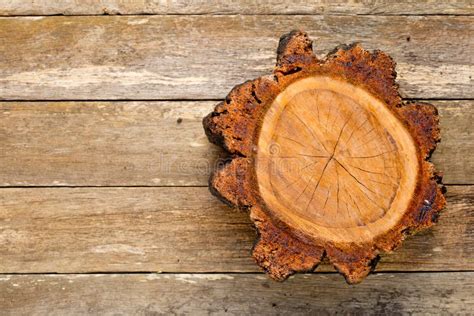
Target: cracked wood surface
column 325, row 158
column 203, row 57
column 153, row 143
column 235, row 294
column 179, row 230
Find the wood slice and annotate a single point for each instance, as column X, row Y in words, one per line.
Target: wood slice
column 327, row 158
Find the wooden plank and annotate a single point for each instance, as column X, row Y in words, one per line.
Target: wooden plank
column 236, row 294
column 89, row 143
column 74, row 7
column 453, row 155
column 179, row 230
column 202, row 57
column 142, row 143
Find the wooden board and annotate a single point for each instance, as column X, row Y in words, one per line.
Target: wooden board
column 132, row 143
column 179, row 230
column 202, row 57
column 72, row 7
column 235, row 294
column 142, row 143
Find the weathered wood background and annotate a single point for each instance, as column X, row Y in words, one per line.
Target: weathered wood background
column 103, row 161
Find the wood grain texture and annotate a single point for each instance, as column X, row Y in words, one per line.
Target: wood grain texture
column 89, row 143
column 179, row 230
column 142, row 143
column 74, row 7
column 324, row 160
column 235, row 294
column 202, row 57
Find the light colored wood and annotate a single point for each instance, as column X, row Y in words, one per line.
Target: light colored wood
column 179, row 230
column 203, row 57
column 142, row 143
column 457, row 138
column 235, row 294
column 89, row 143
column 74, row 7
column 334, row 162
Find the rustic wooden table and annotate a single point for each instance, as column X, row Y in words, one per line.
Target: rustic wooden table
column 104, row 207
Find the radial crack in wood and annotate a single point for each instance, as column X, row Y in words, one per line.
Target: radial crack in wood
column 327, row 158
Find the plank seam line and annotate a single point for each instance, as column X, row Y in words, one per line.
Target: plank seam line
column 215, row 272
column 111, row 100
column 98, row 186
column 185, row 100
column 138, row 186
column 236, row 15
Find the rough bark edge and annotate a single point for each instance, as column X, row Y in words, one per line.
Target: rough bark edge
column 234, row 125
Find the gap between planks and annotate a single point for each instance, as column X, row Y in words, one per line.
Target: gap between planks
column 125, row 272
column 235, row 14
column 139, row 186
column 189, row 100
column 136, row 186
